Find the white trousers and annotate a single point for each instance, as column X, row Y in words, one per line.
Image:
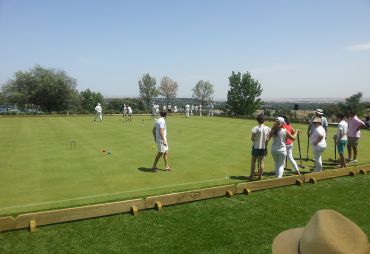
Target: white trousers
column 317, row 152
column 279, row 159
column 289, row 151
column 99, row 116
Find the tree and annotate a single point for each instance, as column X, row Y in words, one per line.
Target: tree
column 168, row 88
column 242, row 97
column 90, row 99
column 50, row 89
column 147, row 89
column 353, row 104
column 203, row 91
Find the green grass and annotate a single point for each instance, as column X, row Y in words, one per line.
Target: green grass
column 39, row 171
column 241, row 224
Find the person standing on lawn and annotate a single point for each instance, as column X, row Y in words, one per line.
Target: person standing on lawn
column 278, row 147
column 318, row 142
column 160, row 133
column 259, row 138
column 354, row 125
column 341, row 138
column 99, row 113
column 289, row 144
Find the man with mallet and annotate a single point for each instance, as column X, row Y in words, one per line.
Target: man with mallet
column 160, row 132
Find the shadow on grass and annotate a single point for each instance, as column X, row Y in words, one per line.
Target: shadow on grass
column 147, row 170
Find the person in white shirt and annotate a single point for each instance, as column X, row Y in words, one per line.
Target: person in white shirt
column 129, row 113
column 169, row 107
column 318, row 142
column 99, row 113
column 192, row 110
column 210, row 109
column 187, row 110
column 175, row 109
column 200, row 109
column 153, row 110
column 278, row 147
column 259, row 138
column 160, row 133
column 124, row 112
column 156, row 109
column 341, row 138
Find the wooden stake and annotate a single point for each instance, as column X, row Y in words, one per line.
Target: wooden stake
column 32, row 225
column 229, row 194
column 134, row 211
column 158, row 206
column 363, row 171
column 299, row 182
column 313, row 180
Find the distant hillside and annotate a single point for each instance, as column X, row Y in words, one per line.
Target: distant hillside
column 308, row 100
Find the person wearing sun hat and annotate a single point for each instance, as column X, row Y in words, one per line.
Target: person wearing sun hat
column 324, row 122
column 318, row 142
column 327, row 232
column 278, row 147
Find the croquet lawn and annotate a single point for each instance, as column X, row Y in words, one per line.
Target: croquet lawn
column 55, row 162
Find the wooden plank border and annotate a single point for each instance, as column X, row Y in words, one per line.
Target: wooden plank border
column 268, row 184
column 32, row 220
column 77, row 213
column 189, row 196
column 7, row 223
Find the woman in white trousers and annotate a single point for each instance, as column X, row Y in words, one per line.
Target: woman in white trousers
column 278, row 147
column 318, row 142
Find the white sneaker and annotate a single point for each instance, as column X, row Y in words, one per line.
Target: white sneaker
column 353, row 161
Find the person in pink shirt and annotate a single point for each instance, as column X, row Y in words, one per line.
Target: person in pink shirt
column 354, row 125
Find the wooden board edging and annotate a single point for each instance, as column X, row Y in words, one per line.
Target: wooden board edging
column 7, row 223
column 77, row 213
column 268, row 184
column 189, row 196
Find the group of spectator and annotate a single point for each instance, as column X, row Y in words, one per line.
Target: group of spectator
column 283, row 135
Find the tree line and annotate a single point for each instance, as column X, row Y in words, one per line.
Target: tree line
column 53, row 90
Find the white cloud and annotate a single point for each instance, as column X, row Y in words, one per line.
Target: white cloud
column 359, row 47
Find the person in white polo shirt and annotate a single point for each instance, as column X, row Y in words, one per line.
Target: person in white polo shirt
column 341, row 138
column 318, row 142
column 99, row 113
column 259, row 138
column 160, row 132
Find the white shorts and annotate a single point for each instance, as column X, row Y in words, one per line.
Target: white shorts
column 162, row 148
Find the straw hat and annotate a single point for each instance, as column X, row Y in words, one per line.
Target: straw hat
column 327, row 232
column 316, row 120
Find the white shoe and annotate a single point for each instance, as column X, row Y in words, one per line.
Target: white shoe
column 353, row 161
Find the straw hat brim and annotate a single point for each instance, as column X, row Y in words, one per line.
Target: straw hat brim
column 287, row 242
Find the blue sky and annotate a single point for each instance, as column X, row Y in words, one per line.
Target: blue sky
column 295, row 49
